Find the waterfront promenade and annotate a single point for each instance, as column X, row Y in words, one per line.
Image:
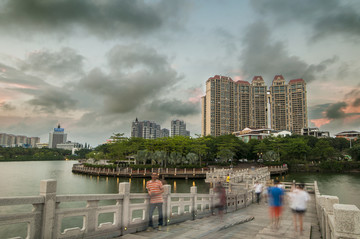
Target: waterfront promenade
column 185, row 173
column 249, row 222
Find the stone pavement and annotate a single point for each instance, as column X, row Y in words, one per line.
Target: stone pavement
column 250, row 222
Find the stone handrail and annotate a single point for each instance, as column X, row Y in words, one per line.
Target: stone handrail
column 129, row 211
column 336, row 220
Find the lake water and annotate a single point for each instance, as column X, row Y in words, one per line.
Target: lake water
column 23, row 179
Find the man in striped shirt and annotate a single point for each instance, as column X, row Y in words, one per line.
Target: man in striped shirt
column 155, row 190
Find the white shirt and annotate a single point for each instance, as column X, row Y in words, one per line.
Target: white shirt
column 299, row 199
column 258, row 188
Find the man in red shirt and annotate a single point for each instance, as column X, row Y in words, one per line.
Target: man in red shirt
column 155, row 190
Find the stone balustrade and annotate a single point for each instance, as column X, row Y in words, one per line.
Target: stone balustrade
column 238, row 179
column 336, row 220
column 128, row 211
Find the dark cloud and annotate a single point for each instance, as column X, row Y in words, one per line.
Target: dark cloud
column 325, row 17
column 335, row 111
column 105, row 19
column 65, row 62
column 227, row 40
column 174, row 107
column 53, row 100
column 12, row 75
column 317, row 111
column 356, row 102
column 262, row 56
column 7, row 106
column 138, row 74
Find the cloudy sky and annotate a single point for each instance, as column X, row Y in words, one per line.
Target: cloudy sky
column 94, row 65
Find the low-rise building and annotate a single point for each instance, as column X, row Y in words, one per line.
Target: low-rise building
column 349, row 135
column 315, row 132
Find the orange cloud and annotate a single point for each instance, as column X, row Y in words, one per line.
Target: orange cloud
column 21, row 86
column 319, row 122
column 351, row 118
column 198, row 94
column 237, row 78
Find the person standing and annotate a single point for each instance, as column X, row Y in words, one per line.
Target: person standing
column 221, row 192
column 258, row 187
column 155, row 190
column 299, row 198
column 276, row 199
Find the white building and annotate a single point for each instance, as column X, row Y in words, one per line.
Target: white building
column 57, row 137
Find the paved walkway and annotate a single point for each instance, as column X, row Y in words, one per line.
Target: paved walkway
column 250, row 222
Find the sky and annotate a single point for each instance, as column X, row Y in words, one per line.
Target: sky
column 94, row 65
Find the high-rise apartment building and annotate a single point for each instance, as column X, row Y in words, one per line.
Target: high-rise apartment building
column 58, row 136
column 164, row 133
column 219, row 106
column 297, row 105
column 241, row 107
column 10, row 140
column 279, row 104
column 230, row 106
column 258, row 106
column 146, row 129
column 178, row 127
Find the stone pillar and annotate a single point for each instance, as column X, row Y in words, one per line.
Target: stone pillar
column 48, row 191
column 92, row 206
column 328, row 202
column 124, row 189
column 167, row 204
column 193, row 191
column 347, row 221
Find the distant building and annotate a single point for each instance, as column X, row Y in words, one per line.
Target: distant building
column 252, row 133
column 42, row 145
column 281, row 133
column 58, row 136
column 164, row 133
column 69, row 146
column 10, row 140
column 315, row 132
column 145, row 129
column 297, row 106
column 230, row 106
column 178, row 127
column 258, row 106
column 349, row 135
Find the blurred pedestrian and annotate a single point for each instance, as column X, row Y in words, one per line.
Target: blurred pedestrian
column 276, row 200
column 258, row 187
column 298, row 204
column 221, row 205
column 155, row 191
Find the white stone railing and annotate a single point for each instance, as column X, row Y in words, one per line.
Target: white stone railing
column 238, row 179
column 128, row 211
column 336, row 220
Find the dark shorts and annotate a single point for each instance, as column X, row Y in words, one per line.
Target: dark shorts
column 298, row 211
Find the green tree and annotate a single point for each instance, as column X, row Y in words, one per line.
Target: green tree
column 323, row 150
column 355, row 152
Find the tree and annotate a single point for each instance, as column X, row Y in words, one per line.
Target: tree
column 296, row 148
column 192, row 158
column 225, row 154
column 355, row 152
column 260, row 149
column 323, row 150
column 142, row 156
